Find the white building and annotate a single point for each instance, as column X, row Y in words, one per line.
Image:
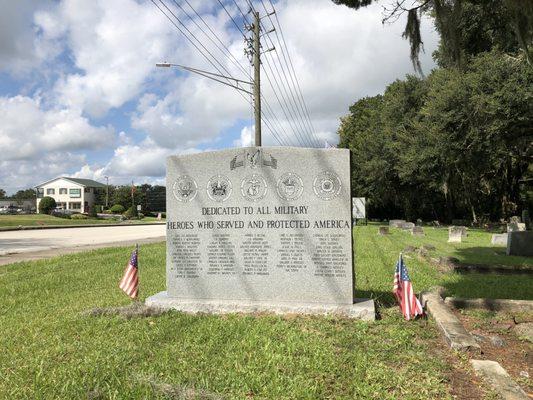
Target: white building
column 70, row 193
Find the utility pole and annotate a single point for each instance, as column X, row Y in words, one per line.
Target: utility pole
column 106, row 192
column 257, row 77
column 132, row 196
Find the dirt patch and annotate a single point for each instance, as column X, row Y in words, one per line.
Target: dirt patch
column 135, row 310
column 495, row 332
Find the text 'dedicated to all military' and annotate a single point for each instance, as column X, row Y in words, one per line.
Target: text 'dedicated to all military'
column 260, row 224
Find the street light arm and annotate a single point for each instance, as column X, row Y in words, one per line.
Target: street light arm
column 207, row 74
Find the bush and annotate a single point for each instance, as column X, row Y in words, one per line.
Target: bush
column 131, row 213
column 79, row 216
column 140, row 215
column 117, row 209
column 46, row 205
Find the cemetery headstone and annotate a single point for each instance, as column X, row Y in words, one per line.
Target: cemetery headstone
column 499, row 239
column 456, row 234
column 516, row 227
column 159, row 216
column 260, row 229
column 395, row 223
column 417, row 231
column 406, row 226
column 383, row 230
column 520, row 243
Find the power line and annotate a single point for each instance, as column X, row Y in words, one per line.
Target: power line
column 231, row 17
column 290, row 63
column 270, row 119
column 199, row 50
column 295, row 99
column 227, row 51
column 292, row 120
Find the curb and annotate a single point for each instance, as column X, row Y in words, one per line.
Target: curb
column 453, row 330
column 490, row 304
column 30, row 228
column 499, row 379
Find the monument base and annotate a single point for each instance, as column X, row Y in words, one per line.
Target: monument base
column 361, row 309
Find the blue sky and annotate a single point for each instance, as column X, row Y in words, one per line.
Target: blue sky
column 80, row 94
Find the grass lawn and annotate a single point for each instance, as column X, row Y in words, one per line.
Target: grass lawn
column 43, row 219
column 52, row 349
column 375, row 257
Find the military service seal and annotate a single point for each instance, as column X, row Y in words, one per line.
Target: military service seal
column 327, row 185
column 185, row 188
column 253, row 187
column 219, row 188
column 290, row 186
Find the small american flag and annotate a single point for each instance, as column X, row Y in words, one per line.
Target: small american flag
column 130, row 280
column 403, row 290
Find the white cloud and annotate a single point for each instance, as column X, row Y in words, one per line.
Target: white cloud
column 23, row 174
column 247, row 137
column 195, row 112
column 27, row 130
column 115, row 45
column 339, row 56
column 18, row 38
column 144, row 162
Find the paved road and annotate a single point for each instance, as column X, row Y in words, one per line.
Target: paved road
column 46, row 240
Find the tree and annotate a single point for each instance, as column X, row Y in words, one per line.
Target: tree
column 46, row 205
column 122, row 196
column 456, row 144
column 2, row 194
column 155, row 198
column 466, row 27
column 25, row 194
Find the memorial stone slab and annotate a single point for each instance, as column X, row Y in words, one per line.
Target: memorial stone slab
column 516, row 227
column 456, row 234
column 417, row 231
column 520, row 243
column 260, row 229
column 395, row 223
column 406, row 226
column 499, row 239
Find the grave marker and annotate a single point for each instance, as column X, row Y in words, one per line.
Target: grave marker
column 395, row 223
column 499, row 239
column 456, row 234
column 417, row 231
column 520, row 243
